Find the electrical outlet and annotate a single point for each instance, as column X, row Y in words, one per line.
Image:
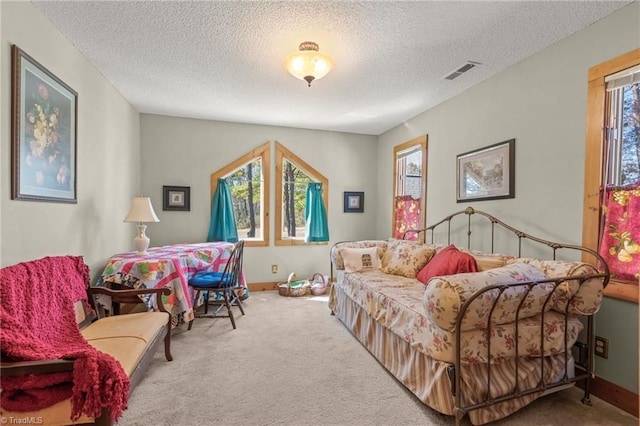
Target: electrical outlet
column 274, row 269
column 602, row 347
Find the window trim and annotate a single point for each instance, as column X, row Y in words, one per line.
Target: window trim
column 593, row 163
column 422, row 141
column 281, row 153
column 263, row 152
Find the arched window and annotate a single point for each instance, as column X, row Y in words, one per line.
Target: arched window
column 248, row 179
column 293, row 175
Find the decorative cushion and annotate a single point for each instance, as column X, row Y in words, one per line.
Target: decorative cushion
column 583, row 299
column 447, row 261
column 392, row 246
column 360, row 259
column 486, row 261
column 408, row 259
column 336, row 255
column 211, row 279
column 445, row 296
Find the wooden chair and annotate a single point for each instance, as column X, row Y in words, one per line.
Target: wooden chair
column 227, row 284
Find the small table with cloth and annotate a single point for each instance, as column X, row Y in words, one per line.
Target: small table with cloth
column 170, row 266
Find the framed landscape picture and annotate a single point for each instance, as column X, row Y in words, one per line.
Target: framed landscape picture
column 486, row 173
column 44, row 114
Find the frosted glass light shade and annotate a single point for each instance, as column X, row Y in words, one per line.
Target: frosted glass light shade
column 308, row 64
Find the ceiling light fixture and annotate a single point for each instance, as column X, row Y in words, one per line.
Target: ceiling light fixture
column 308, row 64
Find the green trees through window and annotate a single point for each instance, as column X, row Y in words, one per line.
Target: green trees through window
column 294, row 194
column 246, row 190
column 248, row 179
column 293, row 176
column 249, row 182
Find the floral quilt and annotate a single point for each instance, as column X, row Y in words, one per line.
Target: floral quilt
column 396, row 303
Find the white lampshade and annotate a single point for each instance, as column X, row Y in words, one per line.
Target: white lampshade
column 308, row 64
column 141, row 211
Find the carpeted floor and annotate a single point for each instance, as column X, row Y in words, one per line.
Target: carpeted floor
column 290, row 362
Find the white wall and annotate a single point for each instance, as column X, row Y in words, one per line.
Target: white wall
column 541, row 102
column 108, row 154
column 185, row 152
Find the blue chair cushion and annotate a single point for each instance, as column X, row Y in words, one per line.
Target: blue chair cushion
column 211, row 279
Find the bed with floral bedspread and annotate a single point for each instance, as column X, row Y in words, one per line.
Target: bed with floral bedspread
column 478, row 333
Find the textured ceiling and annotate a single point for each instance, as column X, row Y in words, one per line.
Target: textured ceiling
column 223, row 60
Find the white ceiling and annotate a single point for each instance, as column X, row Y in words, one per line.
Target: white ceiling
column 223, row 60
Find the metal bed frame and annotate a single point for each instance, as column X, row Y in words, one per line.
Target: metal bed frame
column 585, row 349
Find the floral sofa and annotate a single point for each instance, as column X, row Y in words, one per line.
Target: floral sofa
column 467, row 332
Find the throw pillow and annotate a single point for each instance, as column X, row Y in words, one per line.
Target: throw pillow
column 392, row 246
column 445, row 296
column 448, row 261
column 360, row 259
column 408, row 259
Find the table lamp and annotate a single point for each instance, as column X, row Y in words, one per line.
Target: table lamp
column 141, row 211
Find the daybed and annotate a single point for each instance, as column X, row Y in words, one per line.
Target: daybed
column 60, row 365
column 483, row 343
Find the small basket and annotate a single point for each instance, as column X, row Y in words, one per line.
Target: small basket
column 318, row 284
column 294, row 288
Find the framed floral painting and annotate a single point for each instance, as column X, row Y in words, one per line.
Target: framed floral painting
column 44, row 133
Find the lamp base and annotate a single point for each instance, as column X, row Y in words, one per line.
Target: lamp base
column 141, row 241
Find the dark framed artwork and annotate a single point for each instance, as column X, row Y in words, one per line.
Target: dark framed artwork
column 487, row 173
column 176, row 198
column 354, row 202
column 44, row 124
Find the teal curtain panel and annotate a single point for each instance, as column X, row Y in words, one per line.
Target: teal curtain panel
column 223, row 223
column 317, row 229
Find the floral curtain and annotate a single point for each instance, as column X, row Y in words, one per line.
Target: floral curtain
column 620, row 244
column 317, row 228
column 223, row 223
column 407, row 216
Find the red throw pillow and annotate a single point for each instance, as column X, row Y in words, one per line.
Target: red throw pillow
column 448, row 261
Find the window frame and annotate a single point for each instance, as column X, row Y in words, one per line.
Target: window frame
column 594, row 154
column 283, row 153
column 423, row 142
column 263, row 153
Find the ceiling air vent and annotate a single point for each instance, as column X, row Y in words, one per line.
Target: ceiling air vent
column 460, row 70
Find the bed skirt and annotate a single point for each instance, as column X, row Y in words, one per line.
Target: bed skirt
column 428, row 379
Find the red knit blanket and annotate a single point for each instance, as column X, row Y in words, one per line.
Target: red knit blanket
column 38, row 323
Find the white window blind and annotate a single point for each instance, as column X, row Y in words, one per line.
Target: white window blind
column 623, row 78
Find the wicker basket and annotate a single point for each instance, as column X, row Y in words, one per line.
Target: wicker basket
column 318, row 284
column 294, row 288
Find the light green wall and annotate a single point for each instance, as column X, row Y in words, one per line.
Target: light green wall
column 618, row 322
column 108, row 154
column 185, row 152
column 541, row 102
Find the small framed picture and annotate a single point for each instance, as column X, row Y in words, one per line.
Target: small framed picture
column 176, row 198
column 354, row 202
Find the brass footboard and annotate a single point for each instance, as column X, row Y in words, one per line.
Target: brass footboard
column 463, row 408
column 585, row 348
